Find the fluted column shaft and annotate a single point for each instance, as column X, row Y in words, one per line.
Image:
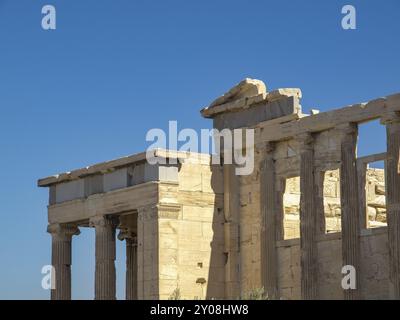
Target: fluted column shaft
column 269, row 224
column 131, row 269
column 61, row 259
column 350, row 205
column 131, row 283
column 308, row 219
column 105, row 277
column 231, row 231
column 392, row 122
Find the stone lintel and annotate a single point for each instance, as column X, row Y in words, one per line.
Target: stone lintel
column 112, row 165
column 356, row 113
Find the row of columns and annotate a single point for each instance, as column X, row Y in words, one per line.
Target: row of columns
column 310, row 205
column 105, row 274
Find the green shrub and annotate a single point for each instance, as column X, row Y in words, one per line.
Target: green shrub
column 255, row 294
column 176, row 295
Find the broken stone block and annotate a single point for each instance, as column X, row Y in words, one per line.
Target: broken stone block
column 380, row 189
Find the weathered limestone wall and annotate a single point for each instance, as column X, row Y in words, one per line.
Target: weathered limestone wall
column 191, row 234
column 374, row 264
column 289, row 270
column 329, row 268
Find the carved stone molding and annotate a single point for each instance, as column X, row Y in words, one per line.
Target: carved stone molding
column 148, row 212
column 390, row 117
column 306, row 141
column 169, row 211
column 348, row 132
column 63, row 231
column 103, row 221
column 162, row 211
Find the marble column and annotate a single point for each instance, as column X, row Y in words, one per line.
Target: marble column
column 61, row 259
column 148, row 253
column 350, row 204
column 105, row 277
column 231, row 231
column 131, row 286
column 268, row 204
column 392, row 122
column 308, row 219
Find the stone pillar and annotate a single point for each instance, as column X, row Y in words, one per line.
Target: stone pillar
column 308, row 219
column 350, row 205
column 131, row 286
column 319, row 201
column 61, row 259
column 231, row 232
column 148, row 253
column 169, row 235
column 268, row 205
column 105, row 282
column 392, row 122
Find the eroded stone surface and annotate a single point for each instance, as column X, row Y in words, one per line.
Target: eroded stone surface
column 203, row 230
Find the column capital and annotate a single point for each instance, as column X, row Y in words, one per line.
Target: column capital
column 390, row 117
column 270, row 146
column 127, row 234
column 349, row 128
column 63, row 231
column 348, row 133
column 149, row 211
column 103, row 221
column 306, row 141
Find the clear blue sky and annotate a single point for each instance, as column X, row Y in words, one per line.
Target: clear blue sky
column 90, row 90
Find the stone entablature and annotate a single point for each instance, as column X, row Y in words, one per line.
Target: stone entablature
column 117, row 174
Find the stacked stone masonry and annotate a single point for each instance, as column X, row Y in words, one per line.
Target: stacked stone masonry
column 309, row 207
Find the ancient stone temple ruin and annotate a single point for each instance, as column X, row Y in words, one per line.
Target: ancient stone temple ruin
column 310, row 207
